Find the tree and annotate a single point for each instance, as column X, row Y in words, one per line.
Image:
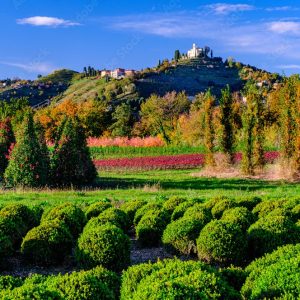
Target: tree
column 123, row 121
column 27, row 166
column 209, row 133
column 71, row 163
column 7, row 139
column 177, row 55
column 226, row 120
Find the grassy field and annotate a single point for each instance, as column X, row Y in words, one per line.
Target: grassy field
column 151, row 185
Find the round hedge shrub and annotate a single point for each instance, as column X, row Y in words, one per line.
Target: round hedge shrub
column 48, row 243
column 70, row 214
column 95, row 209
column 274, row 276
column 5, row 246
column 32, row 291
column 283, row 212
column 183, row 280
column 150, row 228
column 143, row 210
column 240, row 216
column 181, row 235
column 222, row 242
column 95, row 222
column 181, row 209
column 213, row 201
column 199, row 212
column 296, row 212
column 131, row 207
column 265, row 207
column 172, row 203
column 9, row 283
column 105, row 245
column 116, row 216
column 271, row 232
column 220, row 207
column 248, row 202
column 235, row 276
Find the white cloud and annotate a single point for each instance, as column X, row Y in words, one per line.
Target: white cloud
column 226, row 8
column 280, row 8
column 289, row 67
column 46, row 21
column 285, row 27
column 34, row 67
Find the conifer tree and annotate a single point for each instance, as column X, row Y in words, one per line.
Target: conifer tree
column 7, row 139
column 227, row 126
column 71, row 163
column 27, row 166
column 209, row 133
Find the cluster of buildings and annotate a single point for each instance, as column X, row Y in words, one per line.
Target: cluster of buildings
column 118, row 73
column 196, row 52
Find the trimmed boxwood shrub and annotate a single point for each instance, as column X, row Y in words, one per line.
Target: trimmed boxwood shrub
column 172, row 203
column 296, row 211
column 48, row 243
column 181, row 234
column 249, row 202
column 222, row 242
column 175, row 279
column 70, row 214
column 220, row 207
column 143, row 210
column 105, row 245
column 9, row 282
column 131, row 207
column 150, row 228
column 284, row 212
column 98, row 221
column 95, row 209
column 235, row 276
column 213, row 201
column 199, row 212
column 115, row 216
column 240, row 216
column 6, row 246
column 271, row 232
column 181, row 209
column 264, row 208
column 274, row 276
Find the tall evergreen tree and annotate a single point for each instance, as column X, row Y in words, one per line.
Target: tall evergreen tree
column 227, row 126
column 7, row 139
column 71, row 163
column 27, row 166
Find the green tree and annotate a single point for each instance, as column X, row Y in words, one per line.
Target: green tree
column 71, row 163
column 122, row 121
column 227, row 120
column 27, row 166
column 177, row 55
column 7, row 139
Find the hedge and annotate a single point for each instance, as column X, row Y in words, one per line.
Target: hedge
column 131, row 207
column 240, row 216
column 116, row 216
column 95, row 209
column 220, row 207
column 143, row 210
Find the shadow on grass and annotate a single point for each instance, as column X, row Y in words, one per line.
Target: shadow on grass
column 193, row 183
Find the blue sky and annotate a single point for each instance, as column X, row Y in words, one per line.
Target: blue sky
column 40, row 36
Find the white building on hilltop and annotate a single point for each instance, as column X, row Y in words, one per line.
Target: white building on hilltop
column 198, row 52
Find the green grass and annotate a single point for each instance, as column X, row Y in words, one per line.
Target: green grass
column 150, row 185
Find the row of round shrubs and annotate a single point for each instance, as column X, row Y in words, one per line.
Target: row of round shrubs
column 222, row 230
column 97, row 283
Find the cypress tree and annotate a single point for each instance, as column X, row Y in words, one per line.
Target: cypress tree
column 27, row 166
column 71, row 163
column 7, row 139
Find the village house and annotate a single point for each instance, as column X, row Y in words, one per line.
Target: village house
column 118, row 73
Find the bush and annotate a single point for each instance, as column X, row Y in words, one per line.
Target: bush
column 150, row 228
column 249, row 203
column 28, row 164
column 143, row 210
column 199, row 212
column 240, row 216
column 174, row 279
column 264, row 208
column 213, row 201
column 49, row 243
column 95, row 209
column 105, row 245
column 6, row 246
column 181, row 234
column 131, row 207
column 71, row 163
column 222, row 242
column 181, row 209
column 70, row 214
column 220, row 207
column 274, row 276
column 115, row 216
column 86, row 285
column 9, row 283
column 271, row 232
column 283, row 212
column 172, row 203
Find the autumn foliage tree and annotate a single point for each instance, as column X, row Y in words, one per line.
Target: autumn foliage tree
column 71, row 163
column 27, row 166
